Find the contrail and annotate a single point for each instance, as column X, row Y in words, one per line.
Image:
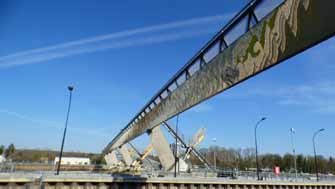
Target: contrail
column 39, row 123
column 30, row 59
column 112, row 41
column 27, row 118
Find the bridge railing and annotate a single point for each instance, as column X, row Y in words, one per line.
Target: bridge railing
column 270, row 176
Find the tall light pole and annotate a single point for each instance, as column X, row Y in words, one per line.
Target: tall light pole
column 257, row 164
column 70, row 88
column 214, row 154
column 176, row 163
column 315, row 159
column 294, row 156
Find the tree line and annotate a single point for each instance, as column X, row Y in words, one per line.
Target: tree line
column 241, row 159
column 43, row 156
column 244, row 159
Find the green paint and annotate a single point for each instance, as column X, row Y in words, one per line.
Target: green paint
column 250, row 49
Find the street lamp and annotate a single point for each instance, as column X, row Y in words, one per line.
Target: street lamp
column 214, row 154
column 176, row 162
column 70, row 88
column 257, row 164
column 293, row 150
column 315, row 160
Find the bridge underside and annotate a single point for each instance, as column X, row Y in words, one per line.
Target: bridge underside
column 289, row 29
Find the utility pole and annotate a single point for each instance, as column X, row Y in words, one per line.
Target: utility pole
column 257, row 164
column 176, row 149
column 315, row 158
column 70, row 88
column 294, row 155
column 214, row 154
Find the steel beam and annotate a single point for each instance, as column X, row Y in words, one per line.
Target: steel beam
column 189, row 148
column 288, row 30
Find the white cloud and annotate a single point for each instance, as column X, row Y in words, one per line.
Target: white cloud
column 39, row 123
column 318, row 97
column 28, row 118
column 318, row 61
column 129, row 38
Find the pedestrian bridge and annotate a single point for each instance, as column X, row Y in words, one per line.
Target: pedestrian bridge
column 256, row 39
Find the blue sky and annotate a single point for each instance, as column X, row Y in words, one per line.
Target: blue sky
column 118, row 54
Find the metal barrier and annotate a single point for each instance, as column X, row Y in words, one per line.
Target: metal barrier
column 92, row 181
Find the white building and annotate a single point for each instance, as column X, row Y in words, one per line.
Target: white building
column 2, row 159
column 73, row 161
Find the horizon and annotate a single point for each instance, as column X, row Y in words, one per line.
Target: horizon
column 199, row 149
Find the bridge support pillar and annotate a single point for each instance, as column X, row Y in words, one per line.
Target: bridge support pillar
column 162, row 148
column 126, row 155
column 102, row 186
column 114, row 185
column 111, row 159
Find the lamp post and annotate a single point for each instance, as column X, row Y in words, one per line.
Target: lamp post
column 70, row 88
column 176, row 163
column 315, row 159
column 293, row 150
column 214, row 154
column 257, row 164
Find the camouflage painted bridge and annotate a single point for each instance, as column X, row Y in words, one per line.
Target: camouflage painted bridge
column 232, row 56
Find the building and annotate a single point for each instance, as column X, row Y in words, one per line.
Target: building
column 2, row 159
column 73, row 161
